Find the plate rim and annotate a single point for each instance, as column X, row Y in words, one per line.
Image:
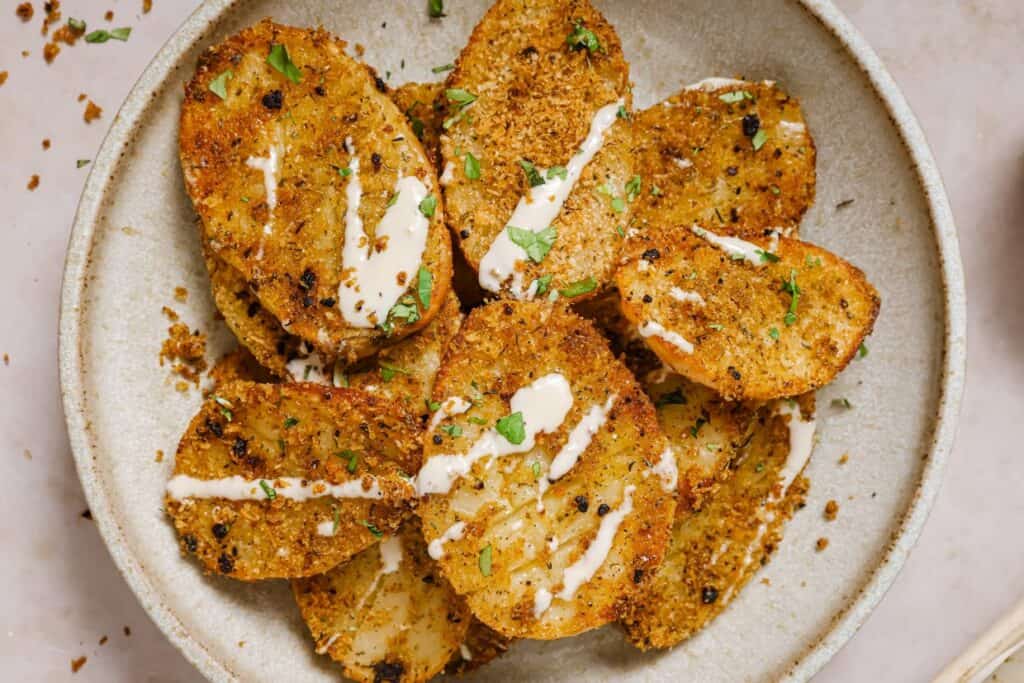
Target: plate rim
column 844, row 624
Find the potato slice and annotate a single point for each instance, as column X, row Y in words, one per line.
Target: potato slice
column 248, row 492
column 734, row 156
column 272, row 127
column 548, row 538
column 750, row 319
column 421, row 104
column 405, row 372
column 561, row 77
column 386, row 615
column 715, row 551
column 481, row 645
column 705, row 431
column 605, row 311
column 237, row 365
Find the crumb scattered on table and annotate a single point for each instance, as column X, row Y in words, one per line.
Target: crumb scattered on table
column 77, row 664
column 831, row 510
column 7, row 359
column 159, row 456
column 103, row 640
column 180, row 294
column 186, row 351
column 3, row 77
column 52, row 9
column 27, row 454
column 25, row 11
column 844, row 459
column 87, row 514
column 146, row 6
column 92, row 112
column 129, row 231
column 33, row 182
column 171, row 314
column 50, row 52
column 81, row 97
column 127, row 632
column 109, row 16
column 46, row 143
column 821, row 544
column 360, row 50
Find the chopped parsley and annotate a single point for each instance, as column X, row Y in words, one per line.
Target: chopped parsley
column 485, row 560
column 405, row 310
column 453, row 431
column 428, row 206
column 436, row 8
column 672, row 398
column 618, row 204
column 471, row 167
column 388, row 371
column 392, row 200
column 543, row 283
column 557, row 172
column 82, row 162
column 424, row 286
column 767, row 256
column 535, row 244
column 620, row 231
column 268, row 490
column 716, row 327
column 695, row 429
column 290, row 422
column 775, row 190
column 533, row 176
column 377, row 533
column 219, row 85
column 279, row 59
column 512, row 428
column 477, row 420
column 76, row 24
column 841, row 403
column 441, row 69
column 633, row 188
column 656, row 191
column 862, row 350
column 462, row 98
column 433, row 406
column 535, row 467
column 353, row 460
column 735, row 96
column 345, row 172
column 812, row 261
column 102, row 35
column 790, row 287
column 774, row 333
column 622, row 113
column 336, row 519
column 759, row 139
column 583, row 38
column 579, row 288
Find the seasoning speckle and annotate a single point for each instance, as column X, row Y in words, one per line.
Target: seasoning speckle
column 708, row 595
column 77, row 664
column 50, row 52
column 159, row 456
column 92, row 112
column 3, row 77
column 33, row 182
column 180, row 294
column 831, row 510
column 581, row 503
column 46, row 143
column 821, row 544
column 25, row 11
column 751, row 124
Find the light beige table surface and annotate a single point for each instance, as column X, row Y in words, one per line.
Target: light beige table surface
column 961, row 65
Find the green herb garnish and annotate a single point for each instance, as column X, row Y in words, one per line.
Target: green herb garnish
column 76, row 24
column 336, row 519
column 735, row 96
column 424, row 286
column 579, row 288
column 436, row 8
column 862, row 350
column 633, row 188
column 557, row 172
column 392, row 200
column 512, row 428
column 774, row 333
column 428, row 206
column 533, row 176
column 841, row 403
column 345, row 172
column 377, row 533
column 388, row 372
column 279, row 59
column 622, row 113
column 583, row 38
column 453, row 431
column 767, row 256
column 672, row 398
column 618, row 204
column 471, row 167
column 219, row 85
column 477, row 420
column 536, row 469
column 290, row 422
column 82, row 162
column 759, row 139
column 535, row 244
column 790, row 287
column 441, row 69
column 102, row 35
column 485, row 560
column 695, row 429
column 543, row 282
column 268, row 490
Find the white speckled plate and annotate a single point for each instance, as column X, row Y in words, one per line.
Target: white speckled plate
column 121, row 407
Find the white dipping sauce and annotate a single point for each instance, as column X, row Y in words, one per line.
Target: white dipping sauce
column 579, row 439
column 736, row 248
column 182, row 486
column 453, row 533
column 654, row 329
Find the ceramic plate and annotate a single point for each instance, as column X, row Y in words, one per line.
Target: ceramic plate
column 134, row 241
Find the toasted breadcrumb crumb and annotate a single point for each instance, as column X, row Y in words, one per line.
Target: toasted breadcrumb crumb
column 185, row 350
column 67, row 35
column 821, row 544
column 127, row 632
column 159, row 456
column 360, row 50
column 77, row 664
column 103, row 640
column 50, row 52
column 92, row 112
column 171, row 314
column 7, row 359
column 146, row 6
column 82, row 96
column 25, row 11
column 33, row 182
column 180, row 294
column 831, row 510
column 86, row 514
column 46, row 143
column 109, row 16
column 844, row 459
column 27, row 454
column 52, row 8
column 3, row 77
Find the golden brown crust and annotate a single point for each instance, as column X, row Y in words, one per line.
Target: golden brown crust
column 501, row 348
column 692, row 147
column 536, row 99
column 238, row 365
column 422, row 105
column 296, row 269
column 268, row 431
column 746, row 344
column 483, row 644
column 716, row 550
column 402, row 625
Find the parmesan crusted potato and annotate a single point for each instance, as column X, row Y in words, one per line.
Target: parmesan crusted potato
column 536, row 80
column 238, row 365
column 605, row 311
column 405, row 372
column 716, row 550
column 289, row 149
column 421, row 104
column 249, row 495
column 731, row 155
column 482, row 645
column 548, row 487
column 387, row 614
column 705, row 431
column 750, row 319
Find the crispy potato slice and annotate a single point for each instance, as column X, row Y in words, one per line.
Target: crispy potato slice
column 265, row 168
column 405, row 372
column 509, row 536
column 386, row 615
column 762, row 327
column 697, row 148
column 715, row 551
column 605, row 311
column 256, row 441
column 538, row 106
column 482, row 645
column 421, row 104
column 238, row 365
column 705, row 431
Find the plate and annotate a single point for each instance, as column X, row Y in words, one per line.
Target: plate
column 134, row 241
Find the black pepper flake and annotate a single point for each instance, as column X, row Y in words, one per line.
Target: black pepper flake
column 376, row 160
column 651, row 255
column 734, row 215
column 87, row 514
column 319, row 90
column 438, row 440
column 225, row 564
column 273, row 100
column 253, row 309
column 751, row 124
column 464, row 234
column 732, row 170
column 307, row 280
column 581, row 503
column 220, row 531
column 381, row 85
column 648, row 298
column 240, row 447
column 708, row 595
column 190, row 542
column 388, row 672
column 328, row 302
column 215, row 427
column 429, row 578
column 308, row 301
column 734, row 373
column 638, row 575
column 603, row 509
